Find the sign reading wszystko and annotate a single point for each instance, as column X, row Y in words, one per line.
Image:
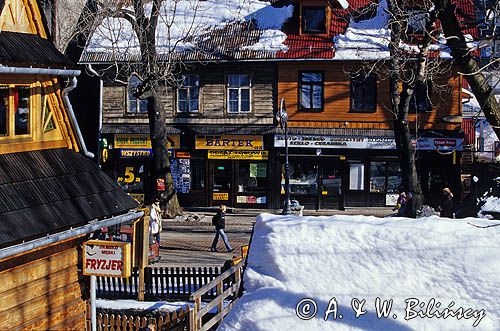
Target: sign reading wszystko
column 106, row 258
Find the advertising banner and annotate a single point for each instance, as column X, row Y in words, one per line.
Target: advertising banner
column 309, row 141
column 238, row 155
column 106, row 258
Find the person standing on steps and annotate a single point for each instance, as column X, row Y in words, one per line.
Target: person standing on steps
column 219, row 222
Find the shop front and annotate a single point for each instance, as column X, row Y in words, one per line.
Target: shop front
column 237, row 169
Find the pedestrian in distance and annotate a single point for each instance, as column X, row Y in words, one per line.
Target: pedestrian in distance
column 155, row 220
column 219, row 222
column 400, row 204
column 446, row 206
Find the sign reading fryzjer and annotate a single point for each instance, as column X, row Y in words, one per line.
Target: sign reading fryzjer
column 230, row 142
column 106, row 258
column 309, row 141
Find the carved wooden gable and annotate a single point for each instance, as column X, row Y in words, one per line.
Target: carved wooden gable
column 22, row 16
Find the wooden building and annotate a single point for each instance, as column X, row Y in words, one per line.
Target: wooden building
column 52, row 195
column 342, row 146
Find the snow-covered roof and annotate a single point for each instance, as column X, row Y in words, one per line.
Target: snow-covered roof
column 255, row 29
column 445, row 261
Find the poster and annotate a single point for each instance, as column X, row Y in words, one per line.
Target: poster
column 181, row 173
column 258, row 170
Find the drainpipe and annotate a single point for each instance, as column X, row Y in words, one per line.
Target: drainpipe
column 71, row 233
column 67, row 102
column 99, row 132
column 38, row 71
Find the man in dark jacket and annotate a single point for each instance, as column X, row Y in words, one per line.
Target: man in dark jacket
column 219, row 222
column 447, row 203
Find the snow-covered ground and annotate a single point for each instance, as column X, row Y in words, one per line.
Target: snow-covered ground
column 429, row 267
column 161, row 306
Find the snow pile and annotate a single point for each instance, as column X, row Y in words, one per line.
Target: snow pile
column 140, row 305
column 270, row 40
column 189, row 18
column 367, row 39
column 491, row 205
column 444, row 264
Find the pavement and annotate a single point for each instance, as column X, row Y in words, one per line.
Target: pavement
column 187, row 242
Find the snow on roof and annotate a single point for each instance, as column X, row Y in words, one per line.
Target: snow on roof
column 346, row 257
column 180, row 21
column 366, row 39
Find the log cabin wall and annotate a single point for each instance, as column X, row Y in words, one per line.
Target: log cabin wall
column 43, row 290
column 337, row 113
column 213, row 98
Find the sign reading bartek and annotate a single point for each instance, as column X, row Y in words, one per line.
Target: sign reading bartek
column 106, row 258
column 230, row 142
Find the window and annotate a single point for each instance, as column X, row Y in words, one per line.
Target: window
column 356, row 176
column 311, row 91
column 417, row 20
column 303, row 178
column 364, row 93
column 238, row 93
column 421, row 98
column 385, row 177
column 252, row 177
column 197, row 174
column 188, row 94
column 48, row 123
column 22, row 110
column 135, row 106
column 4, row 111
column 313, row 20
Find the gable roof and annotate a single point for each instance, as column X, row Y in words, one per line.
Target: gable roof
column 263, row 30
column 47, row 191
column 24, row 49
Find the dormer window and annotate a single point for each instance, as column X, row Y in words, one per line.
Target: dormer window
column 15, row 111
column 314, row 20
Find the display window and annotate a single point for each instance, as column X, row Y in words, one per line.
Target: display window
column 384, row 177
column 252, row 177
column 303, row 178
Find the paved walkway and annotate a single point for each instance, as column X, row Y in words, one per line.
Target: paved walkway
column 188, row 243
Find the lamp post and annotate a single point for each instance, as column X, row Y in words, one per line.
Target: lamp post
column 282, row 118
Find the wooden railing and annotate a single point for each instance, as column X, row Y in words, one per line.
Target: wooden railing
column 227, row 287
column 170, row 321
column 160, row 284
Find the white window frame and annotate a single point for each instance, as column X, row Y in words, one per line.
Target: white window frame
column 240, row 88
column 188, row 94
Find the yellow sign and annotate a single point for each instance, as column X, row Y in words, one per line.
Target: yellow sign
column 238, row 155
column 220, row 196
column 143, row 141
column 106, row 258
column 230, row 142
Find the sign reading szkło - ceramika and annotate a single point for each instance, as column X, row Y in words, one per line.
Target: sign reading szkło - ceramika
column 106, row 258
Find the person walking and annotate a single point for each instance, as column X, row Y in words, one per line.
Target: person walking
column 219, row 222
column 447, row 203
column 155, row 220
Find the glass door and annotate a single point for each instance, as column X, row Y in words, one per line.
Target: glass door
column 331, row 186
column 222, row 175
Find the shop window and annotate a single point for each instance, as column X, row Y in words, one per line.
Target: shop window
column 364, row 93
column 188, row 94
column 130, row 175
column 311, row 93
column 303, row 178
column 238, row 93
column 421, row 98
column 252, row 177
column 222, row 176
column 314, row 20
column 22, row 110
column 356, row 176
column 4, row 111
column 197, row 174
column 135, row 105
column 384, row 177
column 331, row 181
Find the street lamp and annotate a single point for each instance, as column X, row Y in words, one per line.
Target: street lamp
column 282, row 117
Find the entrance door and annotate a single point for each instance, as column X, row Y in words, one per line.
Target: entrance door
column 331, row 186
column 222, row 174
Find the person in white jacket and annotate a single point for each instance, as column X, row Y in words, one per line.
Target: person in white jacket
column 155, row 225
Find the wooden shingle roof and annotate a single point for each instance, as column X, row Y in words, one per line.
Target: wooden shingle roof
column 47, row 191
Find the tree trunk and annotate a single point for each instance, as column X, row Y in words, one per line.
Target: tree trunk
column 468, row 66
column 400, row 105
column 161, row 162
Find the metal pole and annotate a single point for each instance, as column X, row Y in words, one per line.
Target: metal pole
column 286, row 208
column 93, row 311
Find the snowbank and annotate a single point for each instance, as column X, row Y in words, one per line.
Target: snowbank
column 140, row 305
column 442, row 263
column 492, row 205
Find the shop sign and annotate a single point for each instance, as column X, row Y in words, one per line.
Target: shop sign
column 132, row 141
column 309, row 141
column 143, row 141
column 442, row 144
column 250, row 199
column 238, row 155
column 219, row 196
column 391, row 199
column 182, row 155
column 160, row 184
column 230, row 142
column 106, row 258
column 140, row 152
